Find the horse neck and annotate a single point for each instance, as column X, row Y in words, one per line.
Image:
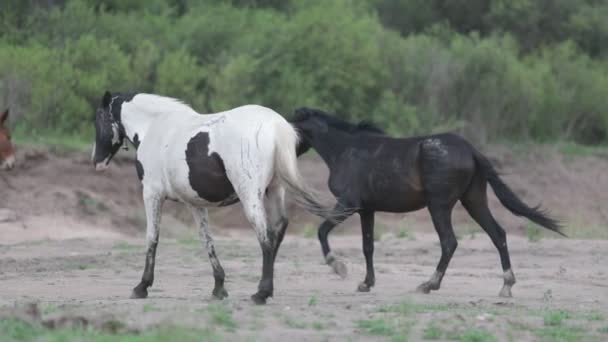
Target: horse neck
column 137, row 119
column 330, row 145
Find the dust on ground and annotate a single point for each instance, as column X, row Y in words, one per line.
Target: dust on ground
column 73, row 242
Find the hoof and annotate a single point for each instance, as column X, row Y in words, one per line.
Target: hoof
column 139, row 293
column 339, row 268
column 219, row 293
column 259, row 298
column 426, row 288
column 505, row 292
column 363, row 287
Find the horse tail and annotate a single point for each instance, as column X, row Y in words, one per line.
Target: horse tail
column 510, row 200
column 286, row 168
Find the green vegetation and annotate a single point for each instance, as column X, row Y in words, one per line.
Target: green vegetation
column 221, row 315
column 377, row 327
column 555, row 318
column 294, row 324
column 481, row 67
column 475, row 335
column 533, row 232
column 432, row 332
column 309, row 231
column 17, row 330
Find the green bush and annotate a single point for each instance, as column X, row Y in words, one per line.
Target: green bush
column 481, row 68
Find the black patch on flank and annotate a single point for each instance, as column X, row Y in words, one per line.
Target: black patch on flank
column 136, row 141
column 207, row 174
column 140, row 170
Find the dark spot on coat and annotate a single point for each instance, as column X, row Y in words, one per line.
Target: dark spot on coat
column 140, row 170
column 207, row 174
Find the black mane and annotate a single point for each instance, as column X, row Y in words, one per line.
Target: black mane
column 304, row 113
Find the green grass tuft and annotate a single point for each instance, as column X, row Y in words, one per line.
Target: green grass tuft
column 221, row 315
column 475, row 335
column 555, row 318
column 432, row 332
column 376, row 327
column 533, row 233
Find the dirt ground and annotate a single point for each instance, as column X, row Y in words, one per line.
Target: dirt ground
column 72, row 241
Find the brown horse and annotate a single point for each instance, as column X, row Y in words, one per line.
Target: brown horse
column 7, row 151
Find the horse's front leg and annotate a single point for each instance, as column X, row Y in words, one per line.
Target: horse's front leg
column 153, row 204
column 201, row 218
column 326, row 227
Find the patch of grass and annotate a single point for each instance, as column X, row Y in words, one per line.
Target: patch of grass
column 555, row 318
column 221, row 315
column 574, row 149
column 432, row 332
column 405, row 233
column 83, row 267
column 49, row 309
column 125, row 246
column 475, row 335
column 57, row 142
column 379, row 327
column 189, row 242
column 595, row 316
column 149, row 307
column 318, row 326
column 560, row 333
column 88, row 204
column 18, row 330
column 312, row 301
column 603, row 330
column 407, row 308
column 294, row 324
column 533, row 233
column 309, row 231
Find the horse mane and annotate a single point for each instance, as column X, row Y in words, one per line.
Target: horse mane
column 364, row 126
column 153, row 103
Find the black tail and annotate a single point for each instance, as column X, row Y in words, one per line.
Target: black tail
column 508, row 198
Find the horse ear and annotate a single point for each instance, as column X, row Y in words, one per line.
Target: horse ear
column 107, row 98
column 3, row 116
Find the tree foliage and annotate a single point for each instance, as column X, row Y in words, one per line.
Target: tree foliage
column 491, row 69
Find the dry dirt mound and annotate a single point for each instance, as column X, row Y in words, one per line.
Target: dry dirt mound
column 51, row 195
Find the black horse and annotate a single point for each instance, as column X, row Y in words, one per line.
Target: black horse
column 370, row 171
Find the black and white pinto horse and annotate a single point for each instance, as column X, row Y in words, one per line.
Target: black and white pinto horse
column 247, row 154
column 372, row 172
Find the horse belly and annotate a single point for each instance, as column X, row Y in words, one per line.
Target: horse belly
column 395, row 193
column 201, row 178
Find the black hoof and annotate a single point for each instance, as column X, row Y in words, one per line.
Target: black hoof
column 426, row 288
column 259, row 298
column 139, row 293
column 219, row 293
column 363, row 287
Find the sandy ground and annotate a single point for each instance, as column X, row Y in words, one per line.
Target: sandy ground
column 93, row 277
column 72, row 241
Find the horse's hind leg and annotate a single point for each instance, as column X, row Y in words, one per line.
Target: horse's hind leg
column 324, row 229
column 201, row 218
column 153, row 205
column 367, row 232
column 476, row 203
column 441, row 216
column 277, row 214
column 253, row 205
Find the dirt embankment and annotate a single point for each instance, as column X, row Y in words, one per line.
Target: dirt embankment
column 56, row 196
